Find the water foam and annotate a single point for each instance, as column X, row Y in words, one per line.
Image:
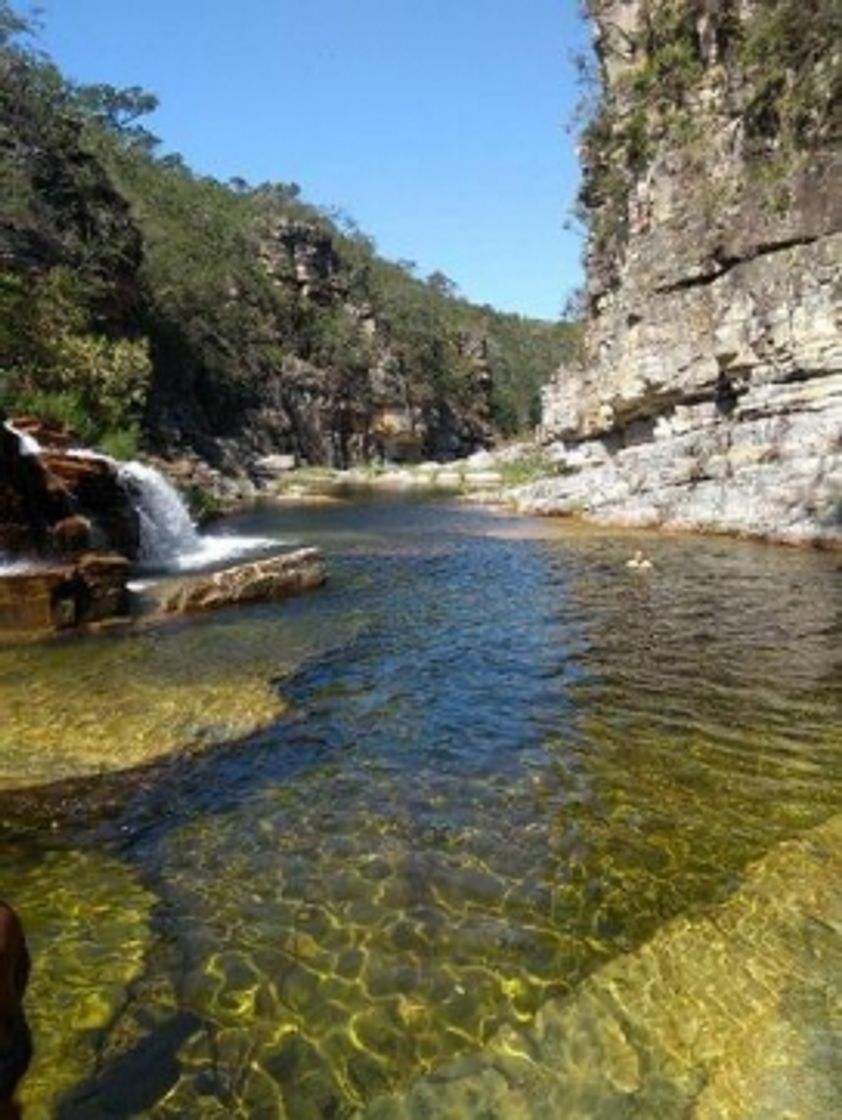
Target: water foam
column 168, row 536
column 28, row 444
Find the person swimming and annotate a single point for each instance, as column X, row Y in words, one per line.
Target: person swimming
column 15, row 1039
column 640, row 561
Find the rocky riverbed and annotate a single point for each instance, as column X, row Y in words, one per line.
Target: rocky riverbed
column 506, row 795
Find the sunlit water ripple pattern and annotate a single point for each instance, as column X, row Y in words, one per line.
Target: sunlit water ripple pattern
column 505, row 760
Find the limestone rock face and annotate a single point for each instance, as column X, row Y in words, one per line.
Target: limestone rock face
column 260, row 581
column 710, row 395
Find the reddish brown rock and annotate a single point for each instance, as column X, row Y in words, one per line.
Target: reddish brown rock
column 37, row 601
column 72, row 534
column 46, row 433
column 46, row 600
column 30, row 499
column 100, row 583
column 38, row 492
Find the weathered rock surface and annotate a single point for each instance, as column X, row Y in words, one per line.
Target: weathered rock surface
column 57, row 502
column 55, row 597
column 261, row 581
column 330, row 413
column 711, row 392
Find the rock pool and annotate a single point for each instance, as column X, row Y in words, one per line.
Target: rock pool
column 486, row 793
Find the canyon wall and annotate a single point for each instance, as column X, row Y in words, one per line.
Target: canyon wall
column 709, row 395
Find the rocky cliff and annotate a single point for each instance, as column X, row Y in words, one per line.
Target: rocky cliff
column 145, row 306
column 333, row 382
column 710, row 394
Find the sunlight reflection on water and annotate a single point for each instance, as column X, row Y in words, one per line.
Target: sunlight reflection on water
column 505, row 760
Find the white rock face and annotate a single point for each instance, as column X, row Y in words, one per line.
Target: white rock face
column 711, row 394
column 725, row 415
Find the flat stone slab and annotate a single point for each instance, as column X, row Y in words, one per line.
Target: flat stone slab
column 46, row 599
column 279, row 577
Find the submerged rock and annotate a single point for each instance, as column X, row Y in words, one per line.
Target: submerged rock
column 259, row 581
column 727, row 1014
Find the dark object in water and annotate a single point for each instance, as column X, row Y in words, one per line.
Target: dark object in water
column 132, row 1083
column 15, row 1039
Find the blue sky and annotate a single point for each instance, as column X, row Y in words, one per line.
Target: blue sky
column 437, row 124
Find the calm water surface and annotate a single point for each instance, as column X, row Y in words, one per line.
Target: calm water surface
column 503, row 760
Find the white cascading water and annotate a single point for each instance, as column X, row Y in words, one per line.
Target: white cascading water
column 166, row 528
column 168, row 536
column 28, row 444
column 11, row 565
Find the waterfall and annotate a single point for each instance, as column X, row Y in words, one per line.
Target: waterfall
column 168, row 537
column 28, row 444
column 167, row 531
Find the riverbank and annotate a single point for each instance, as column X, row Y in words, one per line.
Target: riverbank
column 536, row 480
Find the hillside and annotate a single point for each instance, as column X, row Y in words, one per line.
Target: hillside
column 142, row 303
column 711, row 392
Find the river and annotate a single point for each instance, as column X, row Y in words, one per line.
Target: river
column 491, row 760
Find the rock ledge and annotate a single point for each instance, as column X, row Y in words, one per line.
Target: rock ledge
column 260, row 581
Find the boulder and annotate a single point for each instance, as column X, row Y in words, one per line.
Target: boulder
column 270, row 466
column 55, row 501
column 72, row 534
column 38, row 600
column 95, row 490
column 260, row 581
column 100, row 584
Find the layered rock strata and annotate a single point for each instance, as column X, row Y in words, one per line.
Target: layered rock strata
column 260, row 581
column 58, row 597
column 710, row 395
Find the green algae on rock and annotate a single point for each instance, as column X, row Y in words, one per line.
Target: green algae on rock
column 129, row 700
column 721, row 1016
column 87, row 920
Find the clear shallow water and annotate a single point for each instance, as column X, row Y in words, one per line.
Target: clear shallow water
column 504, row 761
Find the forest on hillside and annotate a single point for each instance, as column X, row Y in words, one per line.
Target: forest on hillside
column 142, row 303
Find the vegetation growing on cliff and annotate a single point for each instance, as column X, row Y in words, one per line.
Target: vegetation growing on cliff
column 779, row 68
column 139, row 299
column 792, row 50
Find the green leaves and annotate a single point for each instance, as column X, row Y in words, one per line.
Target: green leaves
column 138, row 290
column 118, row 110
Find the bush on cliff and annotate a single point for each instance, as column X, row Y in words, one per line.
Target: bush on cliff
column 779, row 61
